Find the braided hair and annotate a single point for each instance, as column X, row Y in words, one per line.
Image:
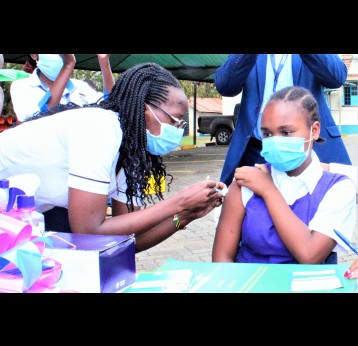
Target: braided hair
column 303, row 98
column 137, row 86
column 134, row 88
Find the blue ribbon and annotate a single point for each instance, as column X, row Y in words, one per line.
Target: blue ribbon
column 28, row 260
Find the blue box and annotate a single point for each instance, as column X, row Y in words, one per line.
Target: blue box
column 94, row 263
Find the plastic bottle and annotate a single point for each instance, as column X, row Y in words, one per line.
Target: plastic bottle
column 27, row 213
column 4, row 194
column 21, row 184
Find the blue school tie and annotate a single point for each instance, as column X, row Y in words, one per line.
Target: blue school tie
column 279, row 68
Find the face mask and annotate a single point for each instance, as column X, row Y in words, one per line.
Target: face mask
column 50, row 65
column 284, row 153
column 169, row 138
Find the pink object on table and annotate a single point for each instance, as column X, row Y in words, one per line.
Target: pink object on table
column 17, row 231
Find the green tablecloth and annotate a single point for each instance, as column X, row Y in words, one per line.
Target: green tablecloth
column 207, row 277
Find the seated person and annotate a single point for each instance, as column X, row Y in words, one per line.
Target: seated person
column 286, row 209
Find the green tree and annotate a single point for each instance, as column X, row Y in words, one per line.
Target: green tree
column 7, row 108
column 203, row 89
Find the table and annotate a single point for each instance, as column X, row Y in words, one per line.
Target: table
column 206, row 277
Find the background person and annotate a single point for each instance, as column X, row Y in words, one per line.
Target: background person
column 50, row 84
column 30, row 64
column 81, row 161
column 285, row 211
column 257, row 76
column 106, row 71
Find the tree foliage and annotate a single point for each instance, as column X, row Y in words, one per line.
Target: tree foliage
column 202, row 89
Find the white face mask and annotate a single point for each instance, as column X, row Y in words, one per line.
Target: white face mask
column 168, row 139
column 50, row 65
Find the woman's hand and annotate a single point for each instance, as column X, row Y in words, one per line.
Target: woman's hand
column 201, row 196
column 352, row 272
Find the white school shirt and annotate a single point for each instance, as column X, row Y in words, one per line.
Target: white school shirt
column 26, row 94
column 284, row 79
column 76, row 148
column 337, row 209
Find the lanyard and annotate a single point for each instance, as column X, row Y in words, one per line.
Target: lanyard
column 279, row 68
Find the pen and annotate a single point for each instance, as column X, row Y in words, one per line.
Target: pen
column 353, row 247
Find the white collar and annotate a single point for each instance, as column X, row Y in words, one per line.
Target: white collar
column 35, row 81
column 310, row 176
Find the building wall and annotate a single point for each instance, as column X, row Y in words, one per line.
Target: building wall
column 229, row 104
column 191, row 121
column 346, row 117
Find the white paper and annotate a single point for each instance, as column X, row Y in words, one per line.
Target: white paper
column 80, row 270
column 315, row 280
column 173, row 281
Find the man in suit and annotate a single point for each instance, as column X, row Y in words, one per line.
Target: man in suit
column 257, row 76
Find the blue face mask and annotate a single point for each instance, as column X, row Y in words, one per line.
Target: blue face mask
column 284, row 153
column 50, row 65
column 169, row 138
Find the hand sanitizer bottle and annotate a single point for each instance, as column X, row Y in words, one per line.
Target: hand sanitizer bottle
column 26, row 211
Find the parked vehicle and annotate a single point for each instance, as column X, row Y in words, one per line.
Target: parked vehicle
column 219, row 126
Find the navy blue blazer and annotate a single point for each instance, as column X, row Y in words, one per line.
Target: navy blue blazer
column 246, row 73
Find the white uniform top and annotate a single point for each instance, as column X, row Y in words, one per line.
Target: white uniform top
column 27, row 93
column 285, row 79
column 76, row 148
column 337, row 209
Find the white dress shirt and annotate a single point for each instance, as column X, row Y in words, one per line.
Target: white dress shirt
column 284, row 79
column 28, row 93
column 69, row 149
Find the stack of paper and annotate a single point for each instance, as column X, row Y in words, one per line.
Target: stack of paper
column 169, row 281
column 315, row 280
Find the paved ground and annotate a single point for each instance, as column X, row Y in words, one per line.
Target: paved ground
column 194, row 244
